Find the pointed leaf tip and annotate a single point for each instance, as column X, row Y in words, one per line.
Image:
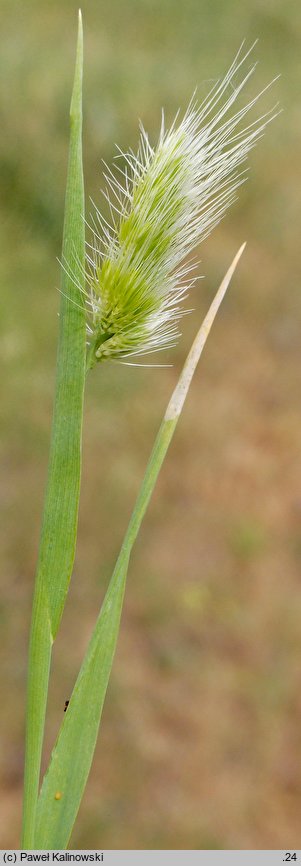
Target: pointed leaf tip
column 76, row 99
column 179, row 395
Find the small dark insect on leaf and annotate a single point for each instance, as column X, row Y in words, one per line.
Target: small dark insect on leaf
column 66, row 706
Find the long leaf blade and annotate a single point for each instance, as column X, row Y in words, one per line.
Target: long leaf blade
column 65, row 779
column 59, row 527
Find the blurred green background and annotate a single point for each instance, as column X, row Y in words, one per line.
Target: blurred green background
column 201, row 738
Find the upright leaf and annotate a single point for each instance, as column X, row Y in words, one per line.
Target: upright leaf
column 66, row 777
column 58, row 536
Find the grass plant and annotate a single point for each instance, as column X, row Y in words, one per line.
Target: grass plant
column 121, row 297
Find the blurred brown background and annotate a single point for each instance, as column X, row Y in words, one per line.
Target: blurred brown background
column 201, row 738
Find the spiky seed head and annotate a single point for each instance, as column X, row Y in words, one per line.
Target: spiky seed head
column 167, row 201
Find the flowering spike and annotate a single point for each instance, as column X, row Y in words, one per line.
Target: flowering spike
column 162, row 205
